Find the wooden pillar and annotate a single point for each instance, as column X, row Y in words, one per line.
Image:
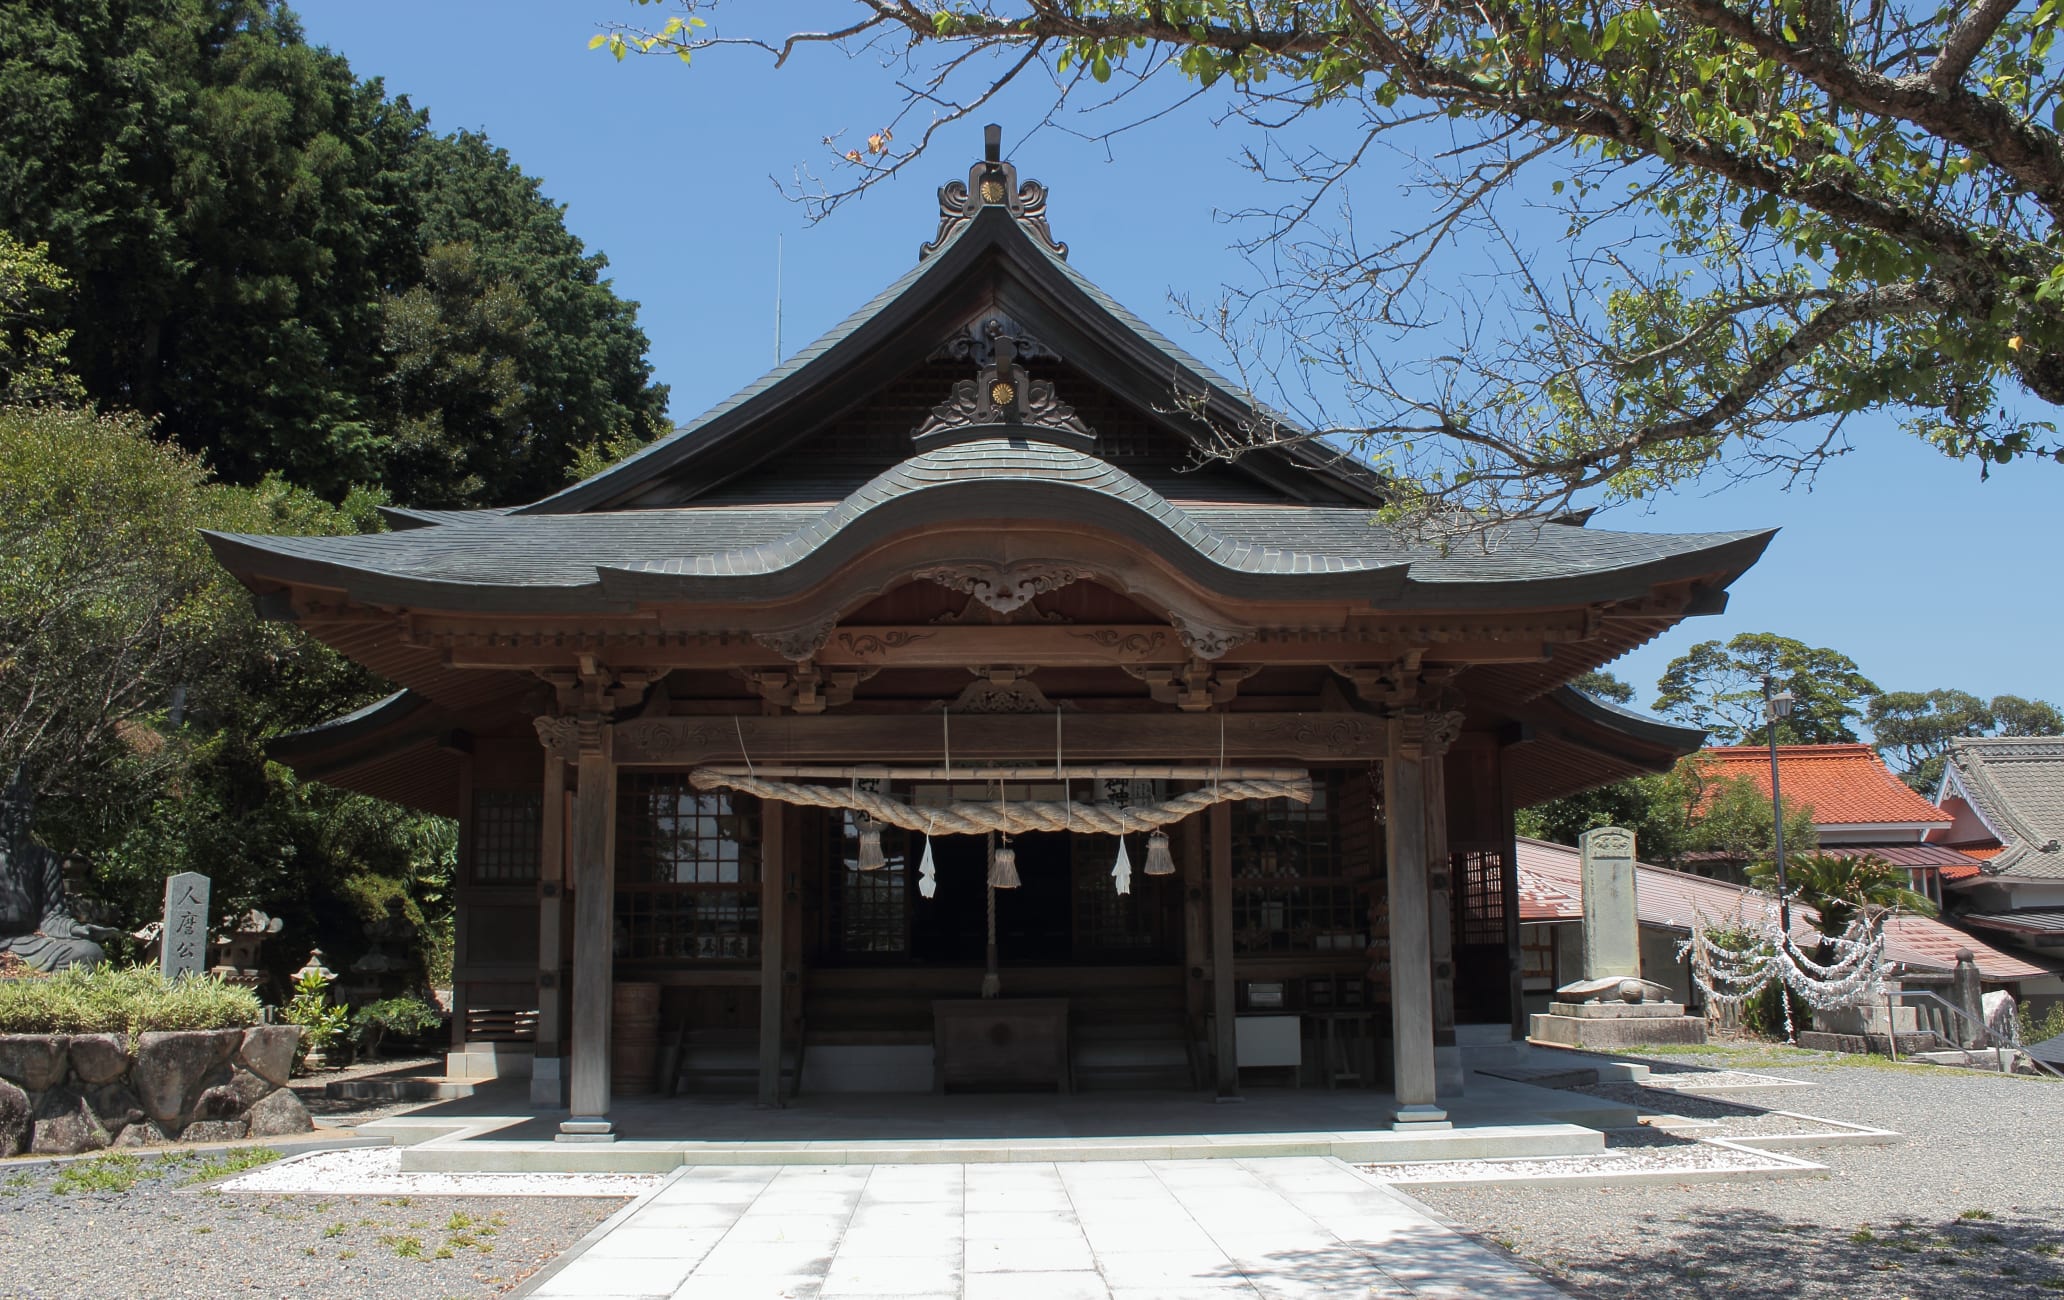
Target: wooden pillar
column 547, row 1080
column 594, row 905
column 1411, row 949
column 1189, row 843
column 1224, row 1045
column 1440, row 915
column 773, row 929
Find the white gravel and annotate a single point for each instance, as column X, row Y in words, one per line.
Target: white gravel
column 1687, row 1157
column 376, row 1171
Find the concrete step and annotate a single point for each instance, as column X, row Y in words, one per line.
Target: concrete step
column 414, row 1088
column 481, row 1154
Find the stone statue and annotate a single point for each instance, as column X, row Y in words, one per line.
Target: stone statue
column 36, row 923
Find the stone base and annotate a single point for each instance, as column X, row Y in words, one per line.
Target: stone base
column 1814, row 1040
column 1600, row 1033
column 586, row 1130
column 489, row 1061
column 1616, row 1010
column 1420, row 1119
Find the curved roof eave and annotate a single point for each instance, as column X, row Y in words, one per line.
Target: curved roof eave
column 350, row 728
column 1630, row 723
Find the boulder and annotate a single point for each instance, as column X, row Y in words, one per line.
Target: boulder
column 173, row 1068
column 66, row 1125
column 249, row 1088
column 218, row 1102
column 144, row 1133
column 33, row 1062
column 15, row 1121
column 279, row 1115
column 99, row 1058
column 268, row 1052
column 116, row 1105
column 215, row 1130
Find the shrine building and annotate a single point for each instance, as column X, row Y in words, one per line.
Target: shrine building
column 794, row 754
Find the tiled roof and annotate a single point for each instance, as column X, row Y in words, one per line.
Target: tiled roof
column 489, row 559
column 1906, row 855
column 1845, row 785
column 2032, row 920
column 2016, row 786
column 1670, row 900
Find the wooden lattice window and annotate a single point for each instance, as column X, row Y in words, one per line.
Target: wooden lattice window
column 506, row 834
column 688, row 871
column 1292, row 891
column 1479, row 897
column 871, row 909
column 1106, row 922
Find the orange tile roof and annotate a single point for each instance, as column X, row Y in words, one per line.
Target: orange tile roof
column 1983, row 853
column 1845, row 785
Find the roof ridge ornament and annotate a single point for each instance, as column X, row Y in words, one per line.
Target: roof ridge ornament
column 1002, row 394
column 993, row 183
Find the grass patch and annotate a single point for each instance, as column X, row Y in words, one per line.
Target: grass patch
column 1974, row 1216
column 230, row 1162
column 404, row 1246
column 1862, row 1237
column 335, row 1230
column 116, row 1173
column 129, row 1000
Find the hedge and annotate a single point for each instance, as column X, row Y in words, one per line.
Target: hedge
column 128, row 1000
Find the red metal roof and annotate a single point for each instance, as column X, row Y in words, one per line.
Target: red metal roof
column 1670, row 899
column 1845, row 785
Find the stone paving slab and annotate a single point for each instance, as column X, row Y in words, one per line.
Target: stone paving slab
column 1283, row 1228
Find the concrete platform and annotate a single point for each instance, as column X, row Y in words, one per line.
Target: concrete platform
column 493, row 1130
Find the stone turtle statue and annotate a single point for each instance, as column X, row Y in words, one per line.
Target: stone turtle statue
column 36, row 924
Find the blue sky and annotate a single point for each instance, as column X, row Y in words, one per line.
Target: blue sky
column 1898, row 557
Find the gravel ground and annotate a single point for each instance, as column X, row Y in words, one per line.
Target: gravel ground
column 1645, row 1157
column 1970, row 1203
column 175, row 1241
column 376, row 1171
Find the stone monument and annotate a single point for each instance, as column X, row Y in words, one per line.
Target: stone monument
column 185, row 936
column 1612, row 1005
column 36, row 921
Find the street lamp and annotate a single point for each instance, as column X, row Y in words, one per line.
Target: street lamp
column 1777, row 705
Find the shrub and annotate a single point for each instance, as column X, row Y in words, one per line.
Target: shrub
column 2041, row 1028
column 322, row 1025
column 392, row 1017
column 128, row 1000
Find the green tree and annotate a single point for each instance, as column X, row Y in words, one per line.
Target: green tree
column 1720, row 687
column 1842, row 888
column 244, row 224
column 1776, row 215
column 1688, row 818
column 33, row 366
column 138, row 688
column 1913, row 729
column 510, row 354
column 1605, row 686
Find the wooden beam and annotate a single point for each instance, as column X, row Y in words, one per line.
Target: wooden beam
column 773, row 932
column 1299, row 739
column 928, row 646
column 1225, row 1047
column 1440, row 898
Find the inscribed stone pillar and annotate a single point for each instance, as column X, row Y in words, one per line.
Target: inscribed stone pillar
column 1411, row 949
column 594, row 905
column 1612, row 933
column 183, row 949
